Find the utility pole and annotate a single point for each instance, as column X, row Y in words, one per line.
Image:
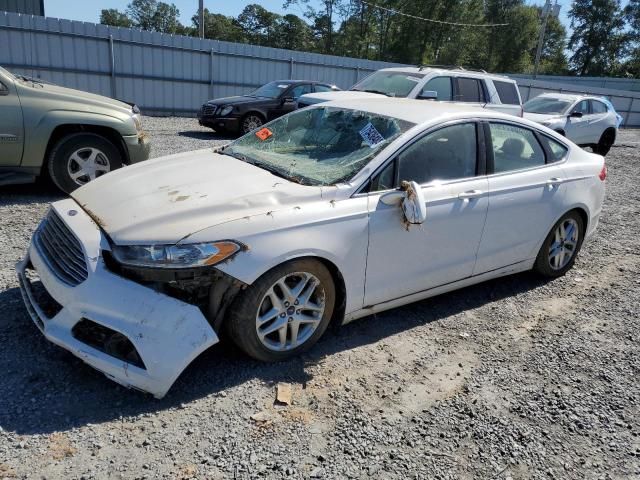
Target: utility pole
column 546, row 11
column 201, row 18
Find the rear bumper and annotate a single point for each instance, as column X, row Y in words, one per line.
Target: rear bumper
column 166, row 333
column 138, row 147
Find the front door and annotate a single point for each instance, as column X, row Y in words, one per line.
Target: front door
column 11, row 127
column 577, row 128
column 405, row 259
column 526, row 196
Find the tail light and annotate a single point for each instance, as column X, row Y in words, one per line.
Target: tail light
column 603, row 173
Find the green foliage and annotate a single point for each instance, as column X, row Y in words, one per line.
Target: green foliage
column 601, row 42
column 115, row 18
column 598, row 40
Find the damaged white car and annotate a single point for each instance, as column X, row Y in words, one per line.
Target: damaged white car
column 330, row 213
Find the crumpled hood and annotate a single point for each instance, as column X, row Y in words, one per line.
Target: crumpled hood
column 544, row 117
column 167, row 199
column 311, row 98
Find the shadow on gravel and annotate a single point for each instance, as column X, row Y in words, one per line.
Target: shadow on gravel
column 211, row 135
column 40, row 191
column 46, row 389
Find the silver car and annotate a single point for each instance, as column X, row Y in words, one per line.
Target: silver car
column 589, row 121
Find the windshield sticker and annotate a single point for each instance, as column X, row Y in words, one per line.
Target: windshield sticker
column 371, row 136
column 264, row 133
column 414, row 79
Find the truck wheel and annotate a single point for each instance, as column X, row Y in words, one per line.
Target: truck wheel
column 81, row 157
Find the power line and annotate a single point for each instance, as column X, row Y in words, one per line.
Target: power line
column 442, row 22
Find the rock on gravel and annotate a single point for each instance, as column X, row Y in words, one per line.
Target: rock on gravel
column 514, row 378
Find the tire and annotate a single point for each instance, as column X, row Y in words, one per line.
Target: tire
column 605, row 143
column 557, row 265
column 250, row 122
column 65, row 160
column 243, row 323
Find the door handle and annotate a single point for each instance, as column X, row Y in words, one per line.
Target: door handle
column 470, row 194
column 552, row 182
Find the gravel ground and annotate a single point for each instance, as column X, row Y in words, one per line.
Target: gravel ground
column 514, row 378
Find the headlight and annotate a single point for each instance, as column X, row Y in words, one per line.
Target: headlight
column 175, row 256
column 137, row 120
column 225, row 110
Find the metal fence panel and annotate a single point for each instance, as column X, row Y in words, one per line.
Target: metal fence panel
column 174, row 75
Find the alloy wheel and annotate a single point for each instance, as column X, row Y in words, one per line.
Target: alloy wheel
column 564, row 245
column 86, row 164
column 290, row 311
column 251, row 123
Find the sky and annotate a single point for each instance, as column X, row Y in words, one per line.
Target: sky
column 89, row 10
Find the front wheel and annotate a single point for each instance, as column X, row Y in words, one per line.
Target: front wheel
column 284, row 312
column 250, row 122
column 81, row 157
column 560, row 249
column 606, row 142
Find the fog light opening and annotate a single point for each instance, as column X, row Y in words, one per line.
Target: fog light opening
column 108, row 341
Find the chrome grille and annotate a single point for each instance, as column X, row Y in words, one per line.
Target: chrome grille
column 61, row 250
column 209, row 109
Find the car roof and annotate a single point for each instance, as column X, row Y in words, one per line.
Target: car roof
column 411, row 110
column 445, row 70
column 569, row 96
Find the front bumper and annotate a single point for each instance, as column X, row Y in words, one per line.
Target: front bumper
column 228, row 123
column 167, row 333
column 138, row 147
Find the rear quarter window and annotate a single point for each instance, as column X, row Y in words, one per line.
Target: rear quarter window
column 508, row 92
column 556, row 151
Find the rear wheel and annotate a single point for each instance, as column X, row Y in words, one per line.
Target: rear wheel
column 81, row 157
column 560, row 249
column 284, row 312
column 606, row 142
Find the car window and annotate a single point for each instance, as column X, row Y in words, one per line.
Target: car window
column 582, row 107
column 390, row 83
column 557, row 150
column 323, row 88
column 514, row 148
column 469, row 90
column 448, row 153
column 598, row 107
column 441, row 85
column 296, row 92
column 3, row 89
column 385, row 180
column 508, row 92
column 547, row 105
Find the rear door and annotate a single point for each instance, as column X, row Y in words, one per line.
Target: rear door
column 526, row 194
column 11, row 125
column 469, row 90
column 504, row 97
column 598, row 120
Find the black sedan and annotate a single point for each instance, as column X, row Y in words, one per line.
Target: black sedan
column 247, row 112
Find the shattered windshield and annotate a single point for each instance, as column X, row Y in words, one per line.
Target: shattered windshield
column 318, row 146
column 547, row 105
column 392, row 84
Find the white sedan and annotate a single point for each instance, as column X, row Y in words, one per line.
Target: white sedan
column 330, row 213
column 586, row 120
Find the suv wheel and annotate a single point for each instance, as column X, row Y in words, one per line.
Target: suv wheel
column 81, row 157
column 605, row 143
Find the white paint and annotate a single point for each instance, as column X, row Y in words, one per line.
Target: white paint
column 475, row 229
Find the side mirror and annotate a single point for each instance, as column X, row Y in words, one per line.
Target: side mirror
column 413, row 205
column 288, row 100
column 575, row 115
column 428, row 95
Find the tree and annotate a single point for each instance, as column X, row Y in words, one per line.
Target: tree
column 219, row 27
column 258, row 24
column 598, row 40
column 115, row 18
column 293, row 33
column 155, row 16
column 552, row 58
column 632, row 16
